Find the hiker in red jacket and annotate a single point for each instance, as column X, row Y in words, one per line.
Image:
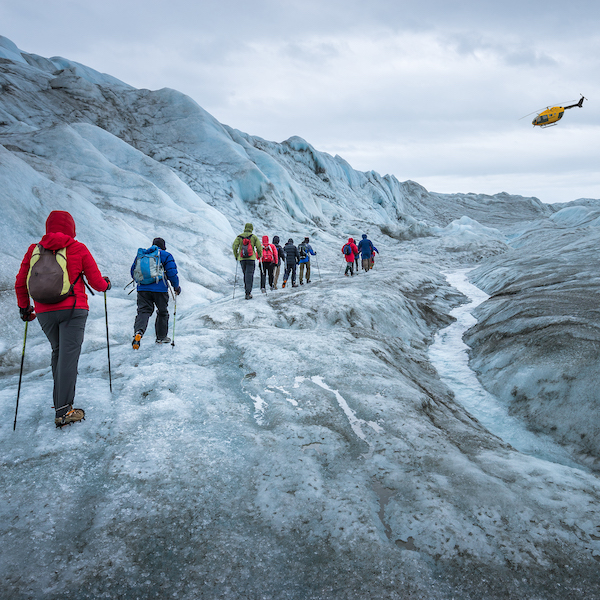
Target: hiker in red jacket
column 268, row 262
column 349, row 250
column 63, row 322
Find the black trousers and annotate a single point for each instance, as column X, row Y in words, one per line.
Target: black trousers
column 248, row 267
column 65, row 337
column 146, row 301
column 266, row 270
column 289, row 268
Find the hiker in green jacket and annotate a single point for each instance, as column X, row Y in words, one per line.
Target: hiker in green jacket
column 246, row 249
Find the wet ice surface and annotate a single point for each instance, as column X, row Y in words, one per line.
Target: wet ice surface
column 449, row 356
column 280, row 451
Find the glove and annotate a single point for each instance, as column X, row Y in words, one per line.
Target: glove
column 109, row 284
column 27, row 314
column 177, row 290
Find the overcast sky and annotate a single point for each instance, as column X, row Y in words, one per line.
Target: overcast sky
column 430, row 90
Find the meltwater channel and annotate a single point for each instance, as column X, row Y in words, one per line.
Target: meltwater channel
column 448, row 354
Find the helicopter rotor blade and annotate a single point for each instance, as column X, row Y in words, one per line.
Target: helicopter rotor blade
column 534, row 112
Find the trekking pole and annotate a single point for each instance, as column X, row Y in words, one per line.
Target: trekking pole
column 174, row 296
column 318, row 270
column 340, row 269
column 235, row 280
column 174, row 317
column 21, row 374
column 107, row 343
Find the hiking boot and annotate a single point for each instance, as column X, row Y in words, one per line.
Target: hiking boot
column 248, row 296
column 263, row 290
column 72, row 416
column 283, row 284
column 308, row 281
column 272, row 287
column 294, row 285
column 165, row 340
column 137, row 338
column 301, row 282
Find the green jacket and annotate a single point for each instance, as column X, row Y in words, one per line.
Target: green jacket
column 237, row 243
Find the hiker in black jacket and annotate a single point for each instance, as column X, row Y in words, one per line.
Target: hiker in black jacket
column 292, row 256
column 280, row 260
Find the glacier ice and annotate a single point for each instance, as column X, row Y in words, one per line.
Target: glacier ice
column 300, row 445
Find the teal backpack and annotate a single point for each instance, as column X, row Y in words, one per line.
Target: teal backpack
column 148, row 266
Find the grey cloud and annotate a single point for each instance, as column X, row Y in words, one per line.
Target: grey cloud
column 311, row 52
column 529, row 57
column 509, row 52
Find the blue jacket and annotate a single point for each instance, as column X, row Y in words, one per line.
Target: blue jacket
column 166, row 258
column 365, row 247
column 309, row 251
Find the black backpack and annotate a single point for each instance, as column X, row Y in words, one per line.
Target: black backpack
column 302, row 250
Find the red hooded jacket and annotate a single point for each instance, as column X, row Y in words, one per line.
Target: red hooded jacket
column 60, row 233
column 266, row 245
column 350, row 257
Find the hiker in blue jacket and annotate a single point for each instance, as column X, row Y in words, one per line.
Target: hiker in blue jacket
column 305, row 250
column 155, row 294
column 365, row 247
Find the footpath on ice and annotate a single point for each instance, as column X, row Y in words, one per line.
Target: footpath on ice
column 305, row 427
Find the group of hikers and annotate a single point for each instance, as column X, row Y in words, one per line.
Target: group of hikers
column 271, row 257
column 365, row 249
column 52, row 275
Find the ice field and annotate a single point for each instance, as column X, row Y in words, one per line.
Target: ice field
column 322, row 442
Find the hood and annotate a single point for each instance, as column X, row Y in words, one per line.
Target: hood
column 364, row 236
column 60, row 221
column 265, row 240
column 351, row 240
column 60, row 230
column 248, row 228
column 276, row 239
column 290, row 241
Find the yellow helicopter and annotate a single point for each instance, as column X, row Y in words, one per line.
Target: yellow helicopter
column 553, row 114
